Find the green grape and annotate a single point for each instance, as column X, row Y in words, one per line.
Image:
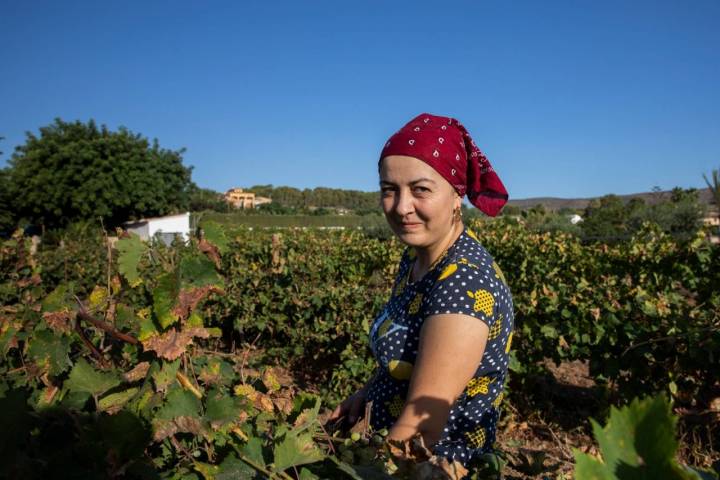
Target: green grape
column 377, row 440
column 384, row 432
column 355, row 436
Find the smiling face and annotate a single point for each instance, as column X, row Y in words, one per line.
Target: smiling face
column 417, row 201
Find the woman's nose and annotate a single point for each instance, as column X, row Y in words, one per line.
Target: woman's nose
column 404, row 204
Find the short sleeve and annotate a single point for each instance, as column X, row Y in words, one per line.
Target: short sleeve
column 467, row 289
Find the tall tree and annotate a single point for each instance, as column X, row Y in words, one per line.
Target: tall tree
column 713, row 184
column 74, row 171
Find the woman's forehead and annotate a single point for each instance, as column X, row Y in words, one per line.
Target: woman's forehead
column 403, row 169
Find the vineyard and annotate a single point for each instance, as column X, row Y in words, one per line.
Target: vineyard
column 219, row 358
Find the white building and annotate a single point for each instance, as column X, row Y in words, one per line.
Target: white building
column 575, row 219
column 166, row 228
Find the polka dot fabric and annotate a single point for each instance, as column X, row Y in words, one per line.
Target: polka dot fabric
column 465, row 281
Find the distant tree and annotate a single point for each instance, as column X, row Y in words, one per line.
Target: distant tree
column 320, row 197
column 510, row 210
column 7, row 212
column 713, row 184
column 604, row 218
column 74, row 171
column 206, row 199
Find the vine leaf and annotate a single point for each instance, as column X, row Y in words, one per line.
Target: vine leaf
column 51, row 352
column 179, row 403
column 637, row 442
column 222, row 409
column 165, row 377
column 84, row 378
column 214, row 233
column 164, row 296
column 58, row 309
column 296, row 449
column 172, row 344
column 198, row 271
column 131, row 249
column 231, row 468
column 115, row 401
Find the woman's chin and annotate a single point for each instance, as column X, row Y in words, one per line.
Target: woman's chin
column 411, row 238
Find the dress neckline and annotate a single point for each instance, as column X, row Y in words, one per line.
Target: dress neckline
column 435, row 265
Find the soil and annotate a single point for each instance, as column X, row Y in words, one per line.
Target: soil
column 536, row 436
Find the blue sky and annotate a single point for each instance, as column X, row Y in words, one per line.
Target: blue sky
column 566, row 98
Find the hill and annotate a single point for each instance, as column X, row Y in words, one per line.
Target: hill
column 555, row 204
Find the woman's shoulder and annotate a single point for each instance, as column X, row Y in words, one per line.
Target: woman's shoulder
column 470, row 254
column 470, row 269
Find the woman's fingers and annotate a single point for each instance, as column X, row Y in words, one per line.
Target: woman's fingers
column 356, row 408
column 337, row 413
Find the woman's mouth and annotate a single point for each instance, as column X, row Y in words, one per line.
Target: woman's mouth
column 410, row 225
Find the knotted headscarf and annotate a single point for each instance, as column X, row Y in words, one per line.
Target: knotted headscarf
column 444, row 144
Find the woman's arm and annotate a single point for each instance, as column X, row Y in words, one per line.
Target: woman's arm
column 450, row 350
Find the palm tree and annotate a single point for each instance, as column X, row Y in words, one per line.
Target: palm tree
column 714, row 187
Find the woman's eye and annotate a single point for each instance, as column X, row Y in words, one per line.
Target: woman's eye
column 422, row 189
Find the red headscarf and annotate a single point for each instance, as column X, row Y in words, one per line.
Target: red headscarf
column 444, row 144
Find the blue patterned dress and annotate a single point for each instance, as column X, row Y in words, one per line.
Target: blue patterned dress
column 465, row 281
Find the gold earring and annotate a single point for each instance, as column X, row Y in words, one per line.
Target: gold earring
column 457, row 214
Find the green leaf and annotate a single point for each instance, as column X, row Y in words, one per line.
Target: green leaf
column 131, row 250
column 214, row 233
column 59, row 299
column 638, row 442
column 222, row 408
column 590, row 468
column 308, row 418
column 165, row 377
column 116, row 400
column 295, row 450
column 179, row 403
column 164, row 298
column 233, row 468
column 199, row 271
column 253, row 450
column 549, row 331
column 50, row 351
column 84, row 378
column 306, row 474
column 147, row 328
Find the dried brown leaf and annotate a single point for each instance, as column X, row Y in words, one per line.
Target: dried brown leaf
column 166, row 428
column 283, row 404
column 170, row 345
column 211, row 251
column 189, row 298
column 34, row 280
column 61, row 321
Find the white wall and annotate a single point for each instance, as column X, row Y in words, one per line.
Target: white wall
column 170, row 224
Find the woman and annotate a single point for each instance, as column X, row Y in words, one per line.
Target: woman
column 442, row 340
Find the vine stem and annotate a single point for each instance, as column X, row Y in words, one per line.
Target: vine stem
column 96, row 353
column 262, row 469
column 669, row 337
column 105, row 326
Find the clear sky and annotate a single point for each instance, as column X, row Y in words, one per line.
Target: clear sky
column 566, row 98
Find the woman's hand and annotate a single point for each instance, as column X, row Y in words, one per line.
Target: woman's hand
column 351, row 409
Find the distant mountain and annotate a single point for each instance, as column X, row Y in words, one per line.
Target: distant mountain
column 554, row 204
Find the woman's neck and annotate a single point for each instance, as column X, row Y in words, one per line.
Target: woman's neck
column 427, row 256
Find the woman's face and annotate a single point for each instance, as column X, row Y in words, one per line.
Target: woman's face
column 418, row 202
